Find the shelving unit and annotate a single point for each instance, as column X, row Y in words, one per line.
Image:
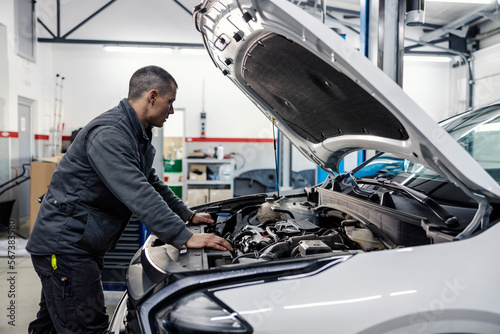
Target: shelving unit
column 207, row 180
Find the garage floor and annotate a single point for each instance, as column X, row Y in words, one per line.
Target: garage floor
column 25, row 291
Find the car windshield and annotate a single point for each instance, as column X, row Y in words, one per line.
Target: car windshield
column 479, row 135
column 478, row 132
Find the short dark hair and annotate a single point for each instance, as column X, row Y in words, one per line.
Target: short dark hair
column 147, row 78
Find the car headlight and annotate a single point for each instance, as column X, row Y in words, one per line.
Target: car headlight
column 197, row 313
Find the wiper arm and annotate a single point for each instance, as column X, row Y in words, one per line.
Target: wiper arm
column 447, row 218
column 371, row 195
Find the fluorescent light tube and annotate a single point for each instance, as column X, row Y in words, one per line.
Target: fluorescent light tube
column 137, row 49
column 193, row 51
column 435, row 59
column 478, row 2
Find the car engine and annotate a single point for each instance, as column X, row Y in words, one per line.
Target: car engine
column 286, row 228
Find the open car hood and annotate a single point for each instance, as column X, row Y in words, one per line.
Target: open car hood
column 326, row 97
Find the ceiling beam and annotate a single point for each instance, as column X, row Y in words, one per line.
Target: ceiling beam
column 184, row 7
column 57, row 38
column 84, row 21
column 459, row 26
column 46, row 28
column 328, row 8
column 116, row 42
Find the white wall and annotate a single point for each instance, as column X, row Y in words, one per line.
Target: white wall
column 4, row 76
column 20, row 78
column 428, row 83
column 96, row 80
column 25, row 78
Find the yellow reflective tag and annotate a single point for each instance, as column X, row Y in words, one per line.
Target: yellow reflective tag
column 54, row 262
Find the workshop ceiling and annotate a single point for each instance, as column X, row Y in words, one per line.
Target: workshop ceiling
column 132, row 20
column 436, row 12
column 169, row 20
column 441, row 13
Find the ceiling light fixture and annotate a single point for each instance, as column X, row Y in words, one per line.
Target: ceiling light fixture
column 435, row 59
column 137, row 49
column 477, row 2
column 192, row 51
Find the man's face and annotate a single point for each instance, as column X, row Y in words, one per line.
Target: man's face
column 162, row 108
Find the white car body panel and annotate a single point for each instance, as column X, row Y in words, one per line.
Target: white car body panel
column 424, row 289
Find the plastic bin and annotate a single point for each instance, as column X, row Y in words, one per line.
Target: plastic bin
column 173, row 165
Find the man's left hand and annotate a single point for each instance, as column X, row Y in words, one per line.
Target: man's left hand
column 202, row 218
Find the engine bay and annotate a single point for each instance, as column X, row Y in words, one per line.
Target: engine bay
column 285, row 228
column 310, row 223
column 279, row 229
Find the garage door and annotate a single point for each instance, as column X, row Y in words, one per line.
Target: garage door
column 487, row 75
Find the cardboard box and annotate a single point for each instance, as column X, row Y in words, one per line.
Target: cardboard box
column 41, row 174
column 197, row 196
column 197, row 172
column 219, row 194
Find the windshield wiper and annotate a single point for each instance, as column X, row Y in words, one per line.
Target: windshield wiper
column 371, row 195
column 447, row 218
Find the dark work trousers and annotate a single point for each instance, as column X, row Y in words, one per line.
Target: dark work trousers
column 72, row 298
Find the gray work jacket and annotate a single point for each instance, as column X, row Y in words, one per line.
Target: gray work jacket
column 106, row 176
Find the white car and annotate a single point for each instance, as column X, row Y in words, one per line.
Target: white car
column 404, row 243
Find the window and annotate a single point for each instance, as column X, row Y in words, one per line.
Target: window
column 25, row 28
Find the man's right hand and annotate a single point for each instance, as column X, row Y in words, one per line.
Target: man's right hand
column 208, row 240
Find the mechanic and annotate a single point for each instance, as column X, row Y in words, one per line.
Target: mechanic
column 105, row 177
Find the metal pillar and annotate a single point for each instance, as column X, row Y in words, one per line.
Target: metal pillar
column 382, row 40
column 385, row 35
column 285, row 162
